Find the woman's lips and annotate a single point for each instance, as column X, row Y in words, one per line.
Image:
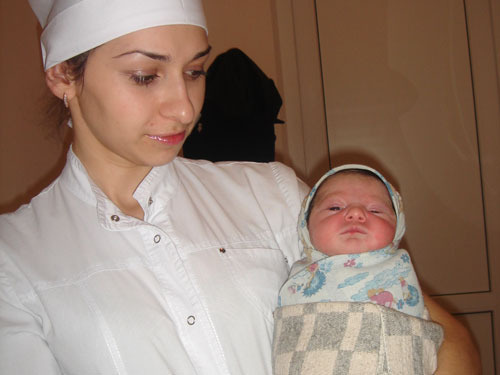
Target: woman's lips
column 172, row 139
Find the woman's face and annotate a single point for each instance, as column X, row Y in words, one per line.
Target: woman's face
column 140, row 96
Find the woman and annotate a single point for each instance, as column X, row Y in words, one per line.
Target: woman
column 135, row 261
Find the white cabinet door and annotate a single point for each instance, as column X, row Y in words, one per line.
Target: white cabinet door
column 410, row 88
column 398, row 95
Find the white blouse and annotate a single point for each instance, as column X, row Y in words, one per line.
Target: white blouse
column 85, row 289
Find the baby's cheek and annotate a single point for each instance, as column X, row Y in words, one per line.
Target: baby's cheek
column 317, row 237
column 313, row 237
column 321, row 239
column 386, row 234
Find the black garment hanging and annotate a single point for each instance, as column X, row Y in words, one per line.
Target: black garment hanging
column 238, row 116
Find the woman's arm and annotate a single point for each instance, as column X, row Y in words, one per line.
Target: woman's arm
column 23, row 349
column 458, row 353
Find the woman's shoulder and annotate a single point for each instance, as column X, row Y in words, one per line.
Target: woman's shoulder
column 27, row 211
column 44, row 214
column 272, row 172
column 269, row 178
column 235, row 167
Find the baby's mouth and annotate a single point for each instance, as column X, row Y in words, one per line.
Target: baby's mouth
column 353, row 230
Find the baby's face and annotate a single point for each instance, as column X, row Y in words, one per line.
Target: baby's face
column 352, row 213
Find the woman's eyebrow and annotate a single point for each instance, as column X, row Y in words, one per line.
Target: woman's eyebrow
column 151, row 55
column 163, row 58
column 202, row 53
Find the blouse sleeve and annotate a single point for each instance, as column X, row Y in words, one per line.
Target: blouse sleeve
column 293, row 190
column 23, row 349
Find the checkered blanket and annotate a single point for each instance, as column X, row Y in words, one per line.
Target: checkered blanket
column 353, row 338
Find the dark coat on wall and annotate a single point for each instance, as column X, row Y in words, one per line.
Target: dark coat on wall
column 238, row 116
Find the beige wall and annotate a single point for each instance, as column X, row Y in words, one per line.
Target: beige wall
column 29, row 157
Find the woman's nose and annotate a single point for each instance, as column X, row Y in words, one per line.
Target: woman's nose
column 176, row 104
column 355, row 213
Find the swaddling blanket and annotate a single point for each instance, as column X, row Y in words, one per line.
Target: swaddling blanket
column 385, row 276
column 353, row 338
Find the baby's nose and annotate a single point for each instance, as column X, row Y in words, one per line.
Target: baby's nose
column 355, row 213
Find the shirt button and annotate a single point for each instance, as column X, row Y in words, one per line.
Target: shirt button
column 157, row 238
column 115, row 217
column 150, row 201
column 191, row 320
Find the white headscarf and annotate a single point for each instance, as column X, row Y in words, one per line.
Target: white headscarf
column 397, row 203
column 71, row 27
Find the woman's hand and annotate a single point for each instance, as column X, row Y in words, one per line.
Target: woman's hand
column 458, row 353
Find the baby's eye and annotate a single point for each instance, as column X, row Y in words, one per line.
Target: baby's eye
column 143, row 80
column 335, row 208
column 375, row 211
column 195, row 74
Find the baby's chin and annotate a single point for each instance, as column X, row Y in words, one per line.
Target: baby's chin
column 343, row 251
column 352, row 249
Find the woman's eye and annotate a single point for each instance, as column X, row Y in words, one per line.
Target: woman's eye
column 195, row 74
column 143, row 80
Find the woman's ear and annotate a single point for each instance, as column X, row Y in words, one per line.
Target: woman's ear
column 59, row 82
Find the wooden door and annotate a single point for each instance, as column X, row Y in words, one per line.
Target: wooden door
column 411, row 89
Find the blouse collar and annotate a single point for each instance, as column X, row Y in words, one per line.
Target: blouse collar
column 153, row 192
